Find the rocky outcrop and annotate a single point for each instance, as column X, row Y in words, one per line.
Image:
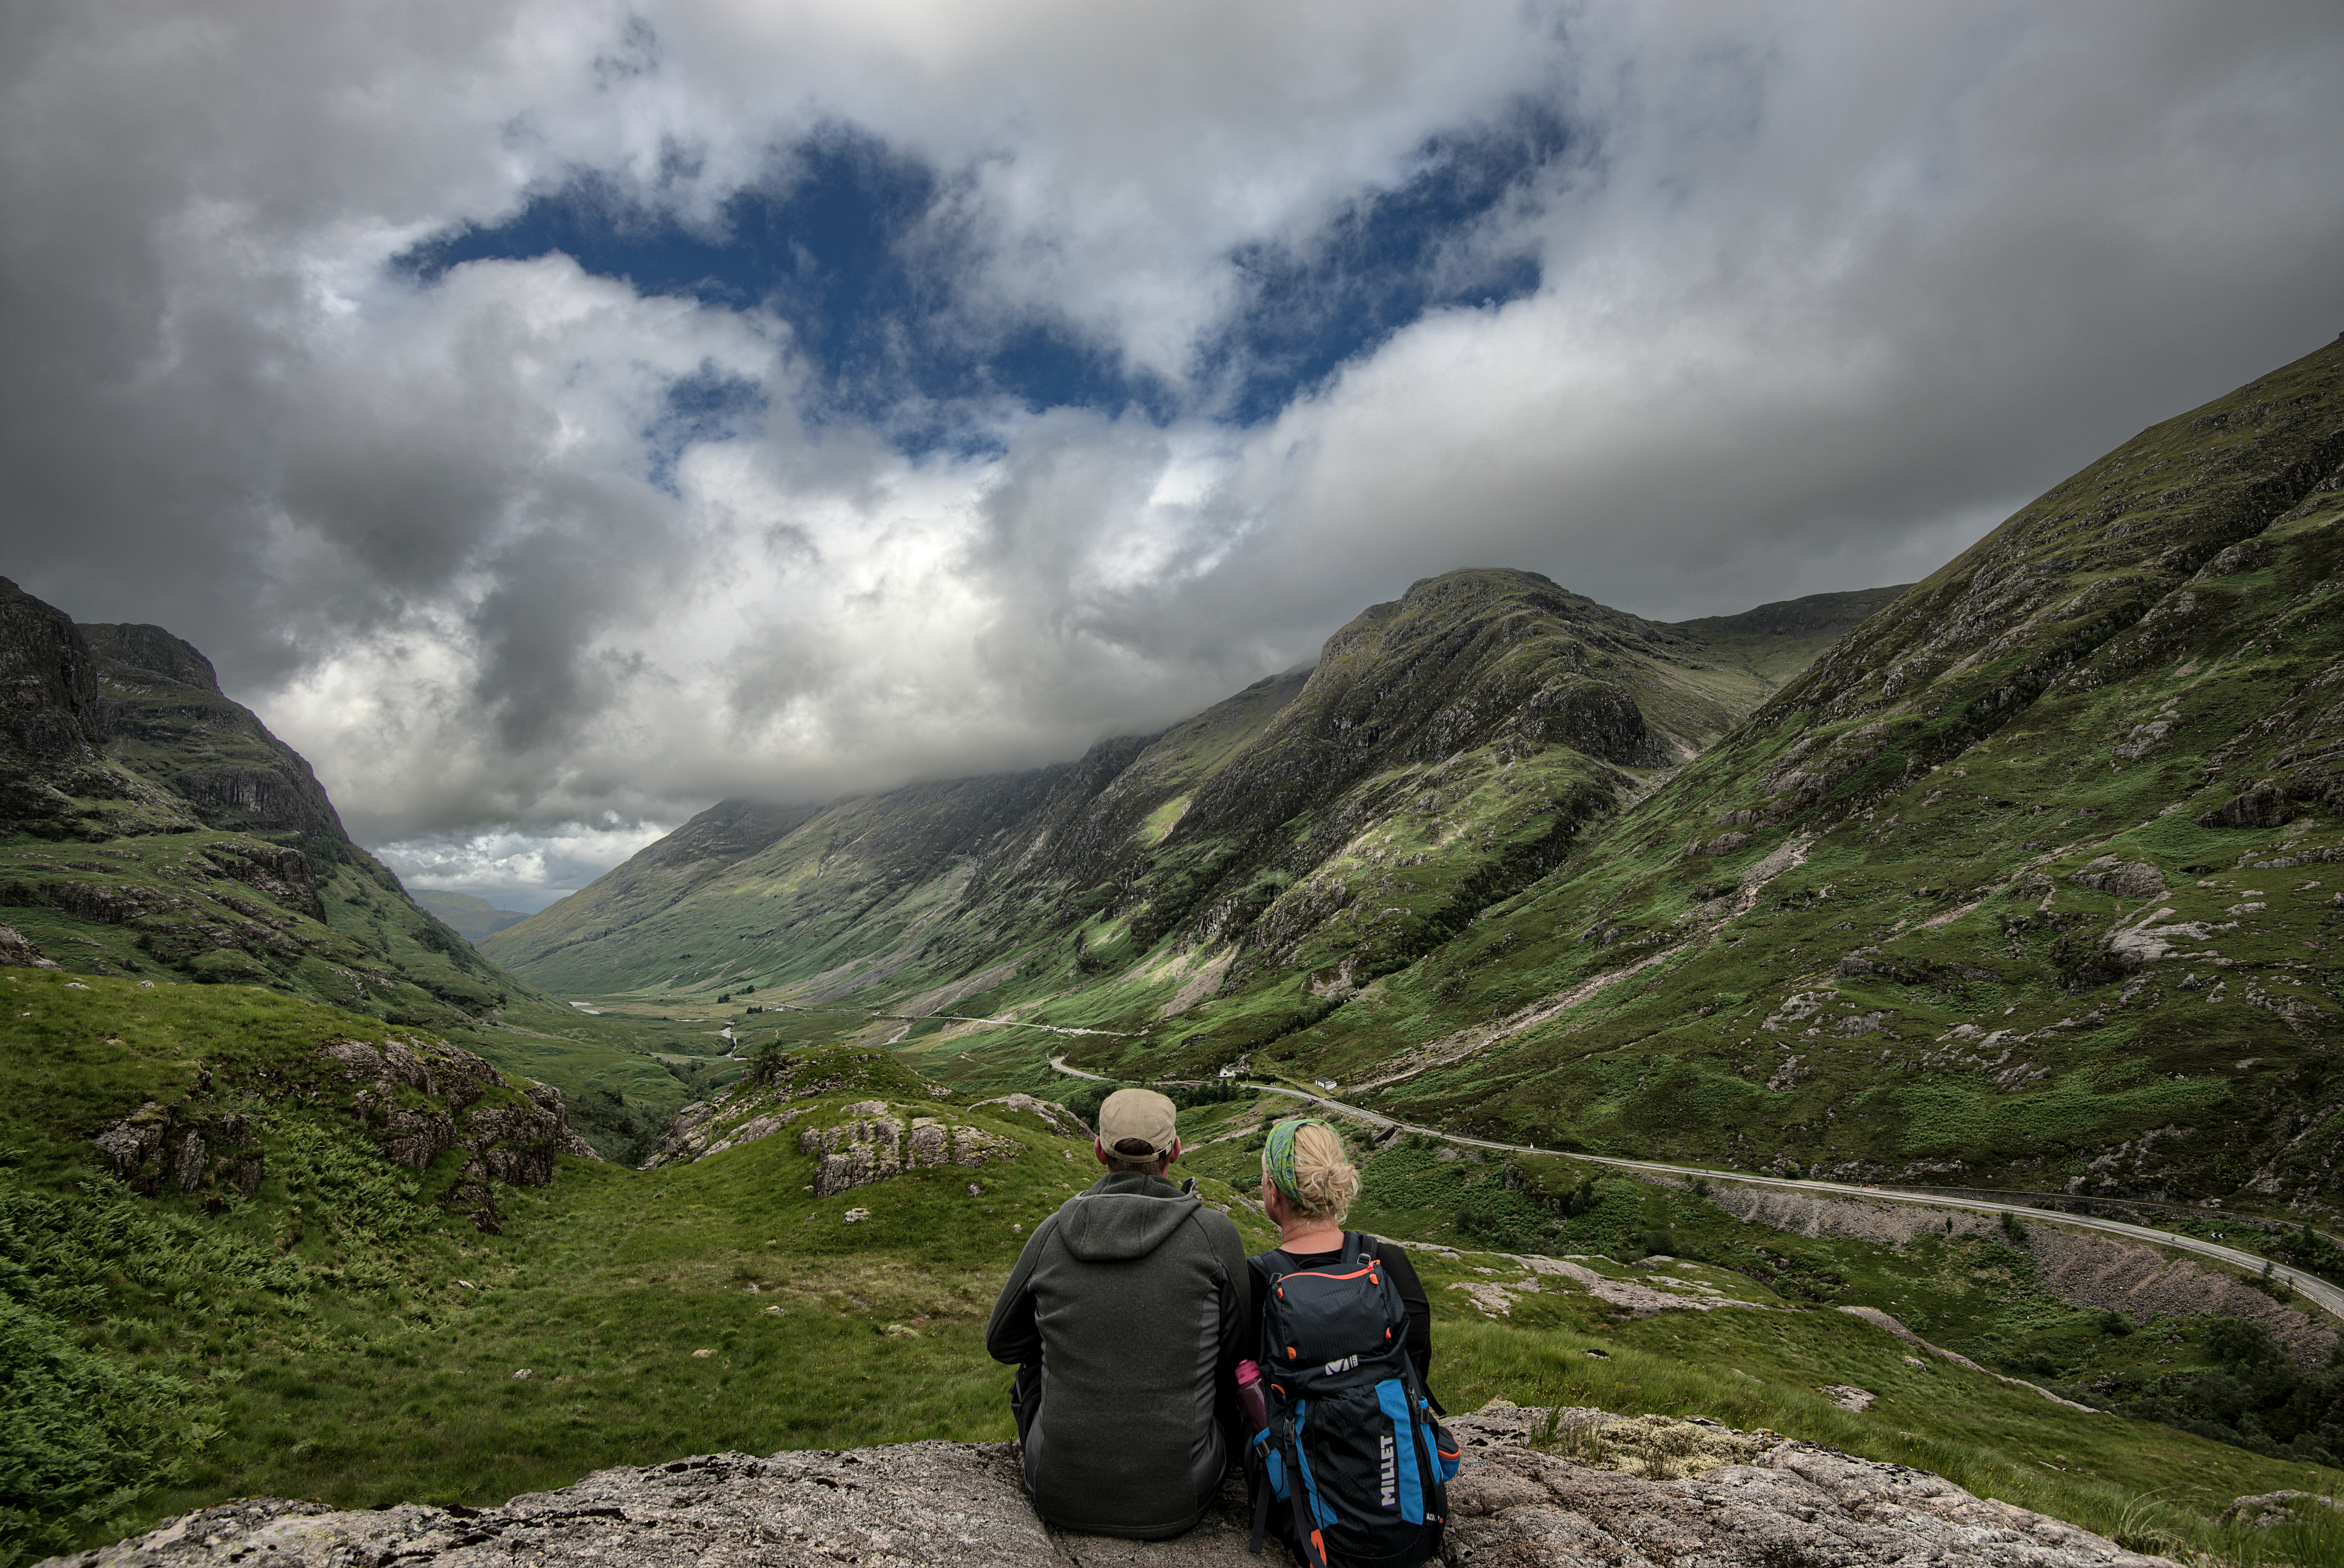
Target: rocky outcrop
column 2121, row 878
column 419, row 1099
column 879, row 1141
column 1653, row 1491
column 767, row 1101
column 2260, row 1512
column 1053, row 1114
column 187, row 1149
column 514, row 1144
column 2100, row 1272
column 17, row 952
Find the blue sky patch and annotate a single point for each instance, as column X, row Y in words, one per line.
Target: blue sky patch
column 709, row 405
column 855, row 245
column 1381, row 264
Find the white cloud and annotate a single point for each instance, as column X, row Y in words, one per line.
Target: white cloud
column 1827, row 290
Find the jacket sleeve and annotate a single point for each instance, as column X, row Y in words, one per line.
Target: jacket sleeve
column 1012, row 1336
column 1238, row 1314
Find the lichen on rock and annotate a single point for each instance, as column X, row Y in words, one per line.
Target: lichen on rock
column 1660, row 1489
column 879, row 1141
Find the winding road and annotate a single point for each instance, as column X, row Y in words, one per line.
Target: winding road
column 2311, row 1287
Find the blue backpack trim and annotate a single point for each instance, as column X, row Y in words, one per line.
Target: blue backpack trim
column 1393, row 1400
column 1320, row 1512
column 1389, row 1496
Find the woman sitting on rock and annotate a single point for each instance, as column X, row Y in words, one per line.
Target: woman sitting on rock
column 1343, row 1344
column 1307, row 1185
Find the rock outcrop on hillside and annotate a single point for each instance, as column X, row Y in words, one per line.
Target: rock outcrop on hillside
column 417, row 1098
column 1771, row 1502
column 2100, row 1272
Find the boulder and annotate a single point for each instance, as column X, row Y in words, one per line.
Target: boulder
column 880, row 1141
column 2271, row 1508
column 2265, row 805
column 2121, row 878
column 1771, row 1502
column 18, row 953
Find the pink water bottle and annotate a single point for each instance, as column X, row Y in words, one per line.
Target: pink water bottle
column 1249, row 1396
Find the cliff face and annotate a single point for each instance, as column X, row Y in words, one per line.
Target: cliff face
column 50, row 726
column 164, row 715
column 1681, row 1492
column 149, row 823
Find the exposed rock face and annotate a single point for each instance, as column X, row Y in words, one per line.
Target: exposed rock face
column 17, row 953
column 159, row 693
column 187, row 1147
column 48, row 680
column 516, row 1145
column 2100, row 1272
column 1764, row 1504
column 2125, row 879
column 881, row 1141
column 194, row 1145
column 49, row 723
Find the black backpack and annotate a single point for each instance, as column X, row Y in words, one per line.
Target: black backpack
column 1352, row 1449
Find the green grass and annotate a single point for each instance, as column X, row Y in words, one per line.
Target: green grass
column 340, row 1336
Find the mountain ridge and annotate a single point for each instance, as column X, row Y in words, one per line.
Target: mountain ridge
column 1192, row 824
column 2025, row 789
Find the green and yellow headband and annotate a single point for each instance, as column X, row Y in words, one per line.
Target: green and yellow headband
column 1278, row 1154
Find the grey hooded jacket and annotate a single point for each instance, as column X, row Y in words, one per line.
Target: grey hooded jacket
column 1133, row 1298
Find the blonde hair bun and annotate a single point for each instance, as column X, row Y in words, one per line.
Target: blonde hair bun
column 1328, row 1180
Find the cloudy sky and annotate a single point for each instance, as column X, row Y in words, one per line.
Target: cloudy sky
column 554, row 417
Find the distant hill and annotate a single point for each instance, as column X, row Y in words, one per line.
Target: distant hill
column 469, row 918
column 1776, row 642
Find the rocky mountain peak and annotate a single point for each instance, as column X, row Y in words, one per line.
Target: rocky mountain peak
column 153, row 650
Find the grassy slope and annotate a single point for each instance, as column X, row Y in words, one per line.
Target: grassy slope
column 1331, row 834
column 317, row 1339
column 1949, row 841
column 1944, row 818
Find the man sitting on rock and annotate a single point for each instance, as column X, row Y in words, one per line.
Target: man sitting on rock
column 1123, row 1318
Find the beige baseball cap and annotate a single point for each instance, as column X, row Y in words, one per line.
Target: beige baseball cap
column 1142, row 1114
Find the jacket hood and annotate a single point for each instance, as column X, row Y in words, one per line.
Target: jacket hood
column 1123, row 1217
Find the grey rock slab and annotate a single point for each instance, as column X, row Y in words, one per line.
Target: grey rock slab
column 917, row 1504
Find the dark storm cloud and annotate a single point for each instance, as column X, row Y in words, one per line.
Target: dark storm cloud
column 554, row 418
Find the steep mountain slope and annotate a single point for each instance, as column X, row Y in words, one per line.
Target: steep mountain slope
column 2022, row 884
column 1494, row 699
column 152, row 826
column 693, row 921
